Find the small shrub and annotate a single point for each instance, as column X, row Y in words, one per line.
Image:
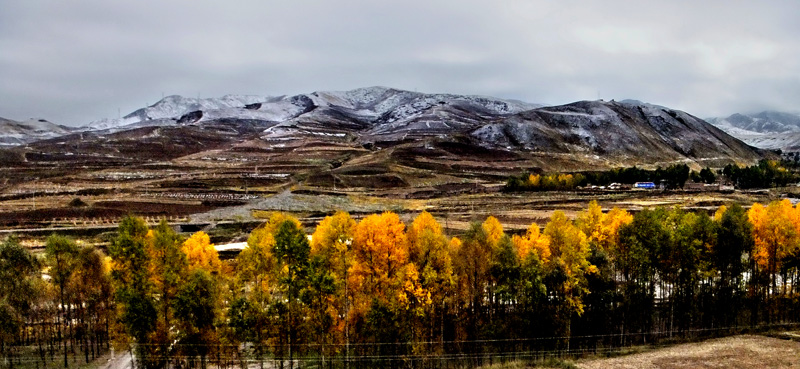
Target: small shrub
column 77, row 203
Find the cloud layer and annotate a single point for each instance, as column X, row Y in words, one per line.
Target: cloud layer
column 74, row 62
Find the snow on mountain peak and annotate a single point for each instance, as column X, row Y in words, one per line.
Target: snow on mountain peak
column 175, row 106
column 376, row 104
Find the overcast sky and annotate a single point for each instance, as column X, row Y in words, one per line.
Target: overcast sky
column 73, row 62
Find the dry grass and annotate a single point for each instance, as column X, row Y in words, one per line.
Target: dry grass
column 746, row 351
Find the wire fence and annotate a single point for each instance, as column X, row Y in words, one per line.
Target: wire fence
column 413, row 354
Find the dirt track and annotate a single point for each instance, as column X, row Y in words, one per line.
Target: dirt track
column 730, row 352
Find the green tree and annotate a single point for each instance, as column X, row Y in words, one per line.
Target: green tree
column 92, row 296
column 196, row 306
column 635, row 259
column 506, row 272
column 734, row 242
column 707, row 175
column 131, row 273
column 19, row 271
column 292, row 255
column 169, row 266
column 61, row 255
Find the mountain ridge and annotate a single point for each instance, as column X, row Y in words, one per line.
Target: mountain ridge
column 14, row 133
column 770, row 130
column 424, row 128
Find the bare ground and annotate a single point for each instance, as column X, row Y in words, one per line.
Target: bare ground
column 745, row 351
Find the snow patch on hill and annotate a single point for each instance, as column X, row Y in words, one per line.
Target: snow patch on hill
column 14, row 133
column 173, row 107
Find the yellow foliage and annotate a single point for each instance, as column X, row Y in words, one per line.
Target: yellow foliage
column 776, row 232
column 533, row 241
column 424, row 234
column 200, row 253
column 602, row 229
column 257, row 262
column 720, row 212
column 534, row 180
column 412, row 294
column 569, row 249
column 331, row 240
column 493, row 229
column 380, row 252
column 455, row 245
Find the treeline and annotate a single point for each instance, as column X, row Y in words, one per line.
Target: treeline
column 62, row 316
column 380, row 293
column 765, row 174
column 673, row 177
column 546, row 182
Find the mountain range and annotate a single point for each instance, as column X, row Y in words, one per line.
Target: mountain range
column 421, row 130
column 767, row 130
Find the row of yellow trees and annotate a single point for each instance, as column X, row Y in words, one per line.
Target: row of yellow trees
column 379, row 292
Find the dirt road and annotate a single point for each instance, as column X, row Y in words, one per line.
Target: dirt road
column 744, row 351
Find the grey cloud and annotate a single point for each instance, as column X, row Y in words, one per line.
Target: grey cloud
column 74, row 62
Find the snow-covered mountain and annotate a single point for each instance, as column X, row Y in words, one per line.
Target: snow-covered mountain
column 763, row 122
column 766, row 130
column 371, row 103
column 169, row 109
column 428, row 130
column 14, row 133
column 628, row 129
column 626, row 132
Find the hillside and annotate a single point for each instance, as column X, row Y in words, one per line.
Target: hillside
column 766, row 130
column 16, row 133
column 626, row 131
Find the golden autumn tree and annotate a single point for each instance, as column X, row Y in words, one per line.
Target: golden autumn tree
column 200, row 253
column 454, row 245
column 568, row 267
column 332, row 239
column 331, row 254
column 257, row 261
column 262, row 273
column 380, row 252
column 720, row 212
column 494, row 230
column 382, row 281
column 601, row 229
column 532, row 241
column 169, row 270
column 776, row 234
column 429, row 250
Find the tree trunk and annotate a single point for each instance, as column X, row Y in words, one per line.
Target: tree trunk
column 61, row 336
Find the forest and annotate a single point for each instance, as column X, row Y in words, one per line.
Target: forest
column 380, row 293
column 765, row 174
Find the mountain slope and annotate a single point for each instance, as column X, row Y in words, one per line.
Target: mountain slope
column 631, row 131
column 16, row 133
column 172, row 107
column 766, row 130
